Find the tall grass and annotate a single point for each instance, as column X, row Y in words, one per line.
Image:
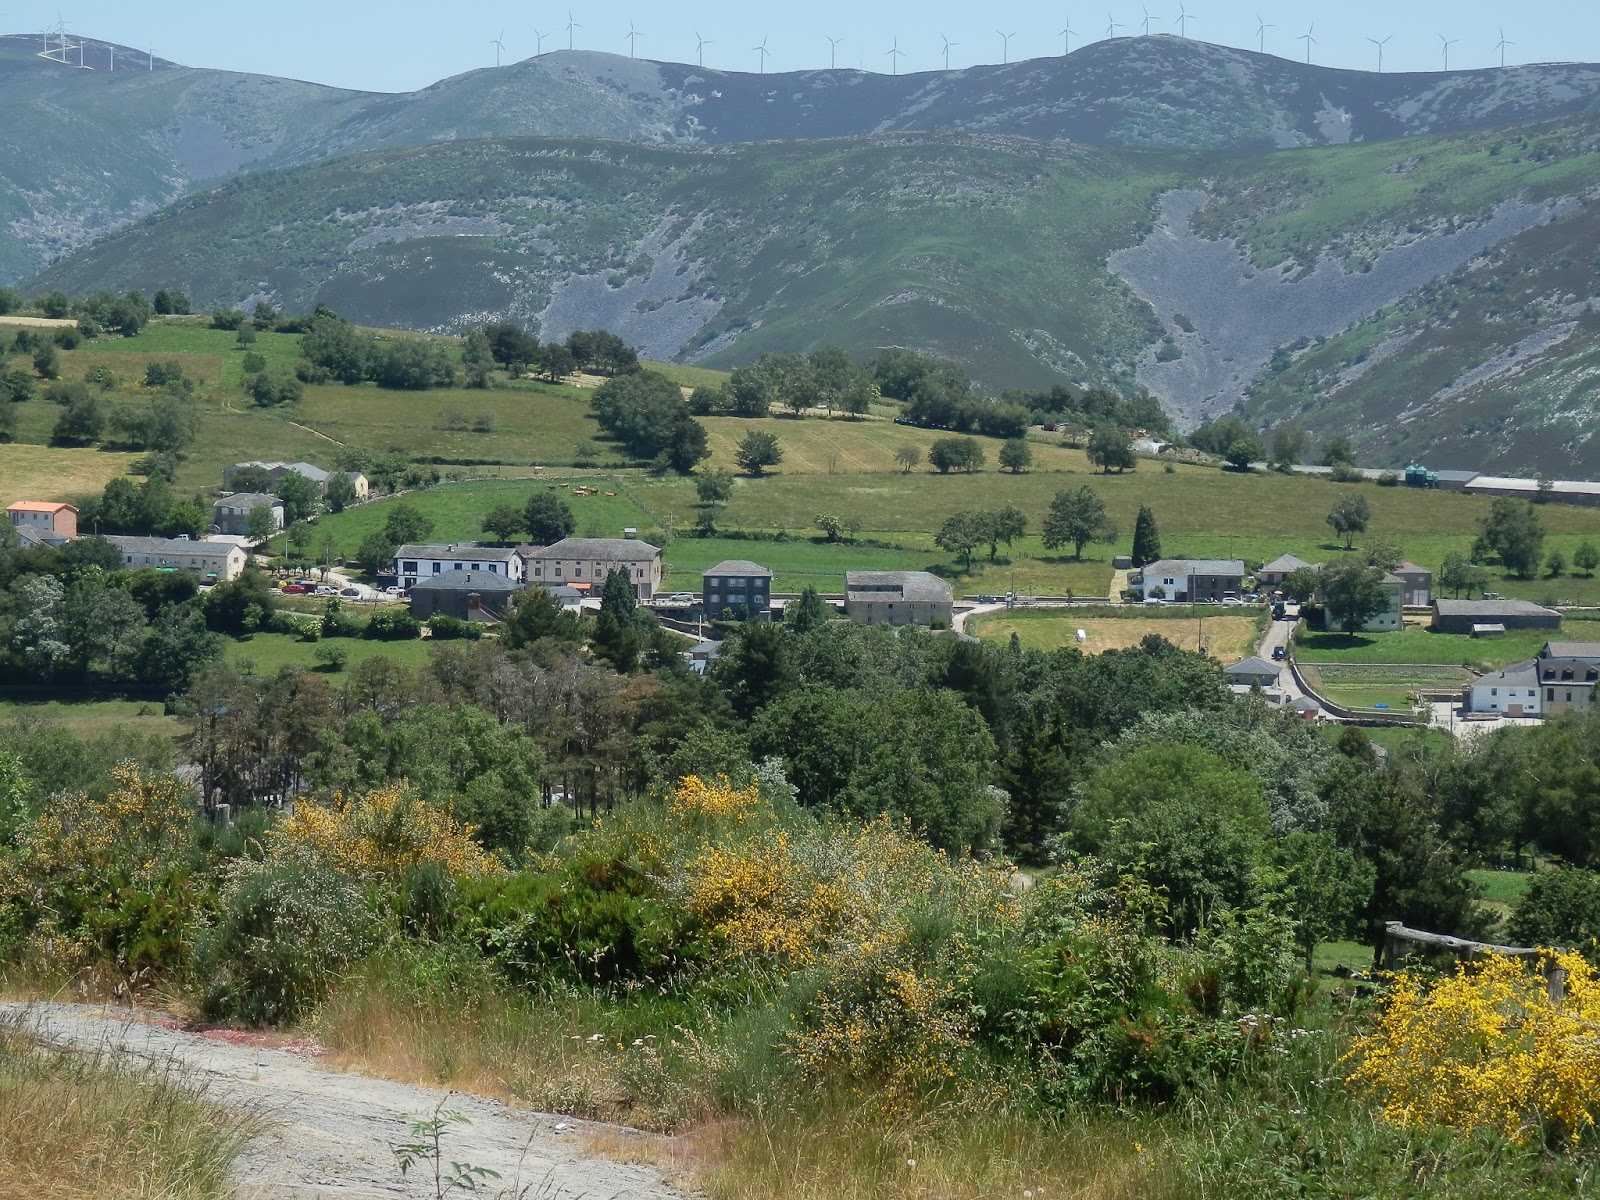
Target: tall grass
column 103, row 1127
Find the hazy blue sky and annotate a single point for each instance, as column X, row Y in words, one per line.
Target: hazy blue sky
column 394, row 45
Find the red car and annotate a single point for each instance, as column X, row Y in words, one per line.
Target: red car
column 294, row 589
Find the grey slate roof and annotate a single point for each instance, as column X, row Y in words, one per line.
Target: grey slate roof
column 246, row 501
column 595, row 549
column 1524, row 674
column 129, row 544
column 1571, row 650
column 739, row 567
column 1283, row 564
column 455, row 552
column 467, row 581
column 1254, row 667
column 1568, row 670
column 1180, row 568
column 896, row 585
column 1489, row 610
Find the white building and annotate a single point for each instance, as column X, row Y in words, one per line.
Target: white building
column 212, row 562
column 1511, row 692
column 231, row 514
column 424, row 561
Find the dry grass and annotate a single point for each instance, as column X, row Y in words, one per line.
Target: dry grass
column 29, row 472
column 37, row 322
column 100, row 1127
column 1228, row 638
column 842, row 1153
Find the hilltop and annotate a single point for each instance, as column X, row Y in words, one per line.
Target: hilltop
column 1356, row 289
column 87, row 150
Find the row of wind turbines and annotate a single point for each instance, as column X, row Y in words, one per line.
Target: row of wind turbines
column 59, row 47
column 1148, row 24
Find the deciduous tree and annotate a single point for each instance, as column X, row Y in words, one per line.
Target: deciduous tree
column 757, row 451
column 1349, row 516
column 1075, row 519
column 1016, row 455
column 548, row 518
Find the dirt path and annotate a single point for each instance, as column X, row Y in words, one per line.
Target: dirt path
column 330, row 1133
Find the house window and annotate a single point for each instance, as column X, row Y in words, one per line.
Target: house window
column 538, row 572
column 477, row 567
column 1569, row 697
column 1494, row 691
column 1550, row 694
column 457, row 566
column 577, row 572
column 409, row 568
column 437, row 568
column 494, row 569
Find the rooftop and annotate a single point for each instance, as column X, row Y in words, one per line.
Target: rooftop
column 905, row 585
column 1568, row 670
column 739, row 566
column 39, row 506
column 1517, row 674
column 455, row 552
column 1196, row 566
column 1253, row 666
column 1411, row 568
column 467, row 581
column 1491, row 608
column 129, row 544
column 1570, row 650
column 248, row 500
column 594, row 549
column 1285, row 563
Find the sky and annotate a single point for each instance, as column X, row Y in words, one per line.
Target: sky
column 399, row 45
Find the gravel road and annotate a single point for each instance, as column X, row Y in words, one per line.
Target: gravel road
column 329, row 1134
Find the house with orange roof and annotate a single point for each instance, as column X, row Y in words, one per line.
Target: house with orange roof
column 50, row 520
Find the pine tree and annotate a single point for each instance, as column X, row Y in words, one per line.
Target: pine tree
column 616, row 630
column 1146, row 538
column 808, row 613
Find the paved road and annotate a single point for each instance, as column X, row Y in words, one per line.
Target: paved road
column 1277, row 634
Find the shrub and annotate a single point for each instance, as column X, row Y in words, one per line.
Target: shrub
column 1487, row 1047
column 377, row 835
column 393, row 627
column 286, row 933
column 331, row 658
column 448, row 628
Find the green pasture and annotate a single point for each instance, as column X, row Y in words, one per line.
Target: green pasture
column 89, row 718
column 266, row 653
column 1418, row 644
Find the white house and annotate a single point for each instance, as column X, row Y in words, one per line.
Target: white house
column 212, row 562
column 1390, row 620
column 1189, row 579
column 424, row 561
column 277, row 470
column 1511, row 692
column 584, row 563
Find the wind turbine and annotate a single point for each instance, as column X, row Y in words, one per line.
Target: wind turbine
column 833, row 51
column 1501, row 46
column 762, row 51
column 571, row 25
column 1380, row 44
column 1005, row 46
column 1447, row 43
column 1112, row 27
column 1308, row 39
column 1261, row 32
column 633, row 36
column 541, row 37
column 1066, row 39
column 700, row 48
column 1146, row 22
column 498, row 46
column 1182, row 21
column 894, row 56
column 947, row 45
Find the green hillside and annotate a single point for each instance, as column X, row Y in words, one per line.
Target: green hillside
column 1433, row 303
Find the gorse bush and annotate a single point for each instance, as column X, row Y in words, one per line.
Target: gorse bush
column 1488, row 1047
column 377, row 836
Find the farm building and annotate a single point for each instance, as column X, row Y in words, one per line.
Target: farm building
column 1467, row 616
column 897, row 598
column 464, row 595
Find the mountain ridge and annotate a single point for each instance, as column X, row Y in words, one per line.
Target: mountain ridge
column 90, row 151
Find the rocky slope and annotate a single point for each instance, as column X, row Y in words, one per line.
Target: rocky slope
column 1431, row 297
column 84, row 151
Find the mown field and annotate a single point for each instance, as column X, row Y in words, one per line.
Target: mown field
column 1227, row 638
column 265, row 653
column 1417, row 644
column 32, row 472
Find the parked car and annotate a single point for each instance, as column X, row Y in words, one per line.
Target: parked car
column 324, row 590
column 1277, row 654
column 350, row 592
column 393, row 590
column 682, row 597
column 293, row 589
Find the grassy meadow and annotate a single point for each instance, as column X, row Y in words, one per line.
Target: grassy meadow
column 530, row 433
column 1225, row 637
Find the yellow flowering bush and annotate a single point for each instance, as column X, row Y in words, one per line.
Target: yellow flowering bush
column 378, row 834
column 1488, row 1047
column 105, row 880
